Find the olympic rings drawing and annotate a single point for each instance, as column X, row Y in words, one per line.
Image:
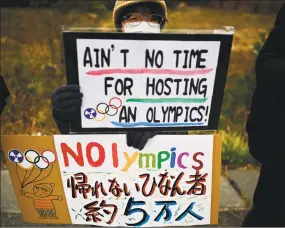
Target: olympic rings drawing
column 26, row 164
column 15, row 156
column 116, row 98
column 109, row 106
column 49, row 155
column 106, row 109
column 101, row 119
column 41, row 161
column 90, row 113
column 31, row 156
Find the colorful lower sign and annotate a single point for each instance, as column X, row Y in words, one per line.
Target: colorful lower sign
column 99, row 180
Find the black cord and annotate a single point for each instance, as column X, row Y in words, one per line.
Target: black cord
column 33, row 181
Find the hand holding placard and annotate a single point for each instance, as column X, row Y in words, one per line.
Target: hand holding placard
column 138, row 139
column 65, row 100
column 148, row 81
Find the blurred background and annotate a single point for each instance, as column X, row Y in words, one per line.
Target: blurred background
column 32, row 65
column 32, row 61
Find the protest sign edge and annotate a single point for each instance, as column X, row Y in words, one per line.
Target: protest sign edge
column 71, row 64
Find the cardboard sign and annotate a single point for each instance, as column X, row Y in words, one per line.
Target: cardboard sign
column 163, row 81
column 98, row 180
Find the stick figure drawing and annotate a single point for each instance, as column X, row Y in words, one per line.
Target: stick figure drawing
column 43, row 200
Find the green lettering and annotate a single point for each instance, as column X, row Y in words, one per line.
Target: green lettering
column 161, row 159
column 147, row 158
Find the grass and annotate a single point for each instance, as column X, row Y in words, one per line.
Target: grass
column 235, row 149
column 247, row 29
column 35, row 25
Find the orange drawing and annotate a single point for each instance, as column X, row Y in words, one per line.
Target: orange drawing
column 43, row 200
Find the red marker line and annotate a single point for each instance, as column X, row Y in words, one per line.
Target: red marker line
column 148, row 71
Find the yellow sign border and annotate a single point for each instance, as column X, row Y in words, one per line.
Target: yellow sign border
column 44, row 142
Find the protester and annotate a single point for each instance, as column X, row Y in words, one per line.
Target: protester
column 128, row 16
column 4, row 94
column 266, row 130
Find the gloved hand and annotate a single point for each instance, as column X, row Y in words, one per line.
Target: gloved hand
column 65, row 100
column 138, row 139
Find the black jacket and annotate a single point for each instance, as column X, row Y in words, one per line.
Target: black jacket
column 4, row 94
column 266, row 129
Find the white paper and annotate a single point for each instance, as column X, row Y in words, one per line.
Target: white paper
column 108, row 170
column 194, row 106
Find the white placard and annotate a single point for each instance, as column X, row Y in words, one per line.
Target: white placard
column 176, row 169
column 146, row 83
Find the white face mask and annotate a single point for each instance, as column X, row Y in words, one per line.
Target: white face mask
column 143, row 27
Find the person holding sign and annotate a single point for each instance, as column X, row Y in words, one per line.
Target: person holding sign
column 129, row 16
column 266, row 138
